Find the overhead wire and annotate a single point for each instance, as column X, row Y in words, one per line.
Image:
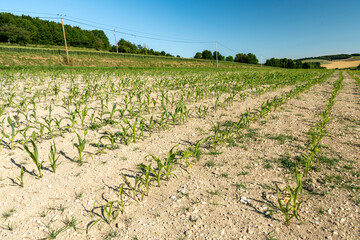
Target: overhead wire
column 128, row 32
column 131, row 30
column 7, row 10
column 136, row 35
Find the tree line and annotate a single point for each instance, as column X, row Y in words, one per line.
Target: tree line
column 27, row 30
column 332, row 57
column 240, row 57
column 289, row 63
column 124, row 46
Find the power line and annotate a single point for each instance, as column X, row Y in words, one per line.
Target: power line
column 228, row 48
column 136, row 35
column 114, row 29
column 7, row 10
column 131, row 30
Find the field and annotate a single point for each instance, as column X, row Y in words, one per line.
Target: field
column 179, row 153
column 46, row 56
column 342, row 64
column 338, row 64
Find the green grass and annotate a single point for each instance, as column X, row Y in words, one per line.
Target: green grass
column 281, row 138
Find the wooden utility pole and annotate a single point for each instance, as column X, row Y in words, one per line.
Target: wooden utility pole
column 117, row 47
column 67, row 54
column 216, row 53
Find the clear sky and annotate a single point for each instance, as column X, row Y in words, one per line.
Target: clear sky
column 267, row 28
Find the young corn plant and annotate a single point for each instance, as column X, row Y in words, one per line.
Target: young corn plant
column 151, row 125
column 186, row 155
column 112, row 137
column 158, row 172
column 218, row 135
column 135, row 188
column 109, row 212
column 80, row 146
column 48, row 127
column 53, row 158
column 196, row 151
column 124, row 134
column 83, row 115
column 290, row 207
column 146, row 179
column 72, row 118
column 111, row 113
column 122, row 201
column 169, row 163
column 58, row 125
column 12, row 135
column 21, row 177
column 35, row 157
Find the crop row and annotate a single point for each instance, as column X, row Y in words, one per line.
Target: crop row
column 289, row 198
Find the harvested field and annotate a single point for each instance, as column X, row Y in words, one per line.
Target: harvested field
column 341, row 64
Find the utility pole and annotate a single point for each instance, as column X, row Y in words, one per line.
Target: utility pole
column 261, row 62
column 117, row 47
column 216, row 53
column 67, row 54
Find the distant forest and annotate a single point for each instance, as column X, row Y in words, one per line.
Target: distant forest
column 27, row 30
column 332, row 57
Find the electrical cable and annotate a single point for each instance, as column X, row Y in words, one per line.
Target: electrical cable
column 134, row 34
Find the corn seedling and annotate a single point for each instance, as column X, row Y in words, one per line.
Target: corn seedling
column 21, row 177
column 53, row 158
column 146, row 181
column 137, row 184
column 83, row 115
column 58, row 125
column 48, row 127
column 34, row 157
column 80, row 146
column 13, row 134
column 109, row 212
column 290, row 207
column 169, row 163
column 186, row 155
column 121, row 195
column 157, row 172
column 112, row 139
column 124, row 134
column 72, row 118
column 196, row 150
column 111, row 115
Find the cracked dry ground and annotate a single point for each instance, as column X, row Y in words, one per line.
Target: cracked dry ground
column 230, row 192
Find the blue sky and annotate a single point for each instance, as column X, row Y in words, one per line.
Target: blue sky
column 267, row 28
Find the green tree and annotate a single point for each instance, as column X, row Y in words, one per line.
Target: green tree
column 206, row 54
column 298, row 64
column 12, row 33
column 229, row 59
column 241, row 58
column 252, row 59
column 306, row 65
column 220, row 57
column 197, row 55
